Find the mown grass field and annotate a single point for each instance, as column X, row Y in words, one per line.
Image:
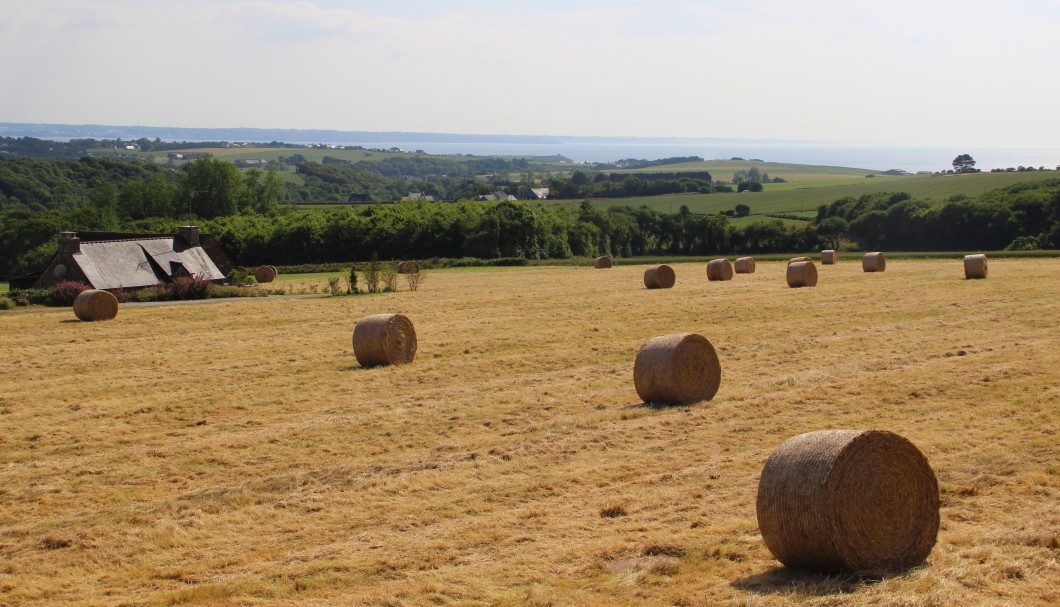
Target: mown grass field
column 234, row 453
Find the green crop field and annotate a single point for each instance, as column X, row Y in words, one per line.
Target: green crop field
column 723, row 170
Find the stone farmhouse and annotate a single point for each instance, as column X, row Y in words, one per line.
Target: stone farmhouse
column 112, row 260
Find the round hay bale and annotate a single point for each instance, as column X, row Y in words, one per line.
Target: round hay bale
column 828, row 257
column 659, row 277
column 277, row 272
column 265, row 274
column 802, row 274
column 803, row 258
column 95, row 304
column 975, row 266
column 848, row 500
column 744, row 265
column 677, row 369
column 384, row 339
column 408, row 267
column 719, row 269
column 602, row 263
column 874, row 262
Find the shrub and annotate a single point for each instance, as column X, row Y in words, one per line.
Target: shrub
column 189, row 287
column 6, row 303
column 351, row 281
column 241, row 278
column 333, row 285
column 388, row 276
column 230, row 291
column 65, row 292
column 149, row 294
column 25, row 297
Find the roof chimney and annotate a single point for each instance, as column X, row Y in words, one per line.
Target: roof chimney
column 189, row 234
column 69, row 243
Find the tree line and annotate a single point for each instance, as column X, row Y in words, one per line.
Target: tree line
column 246, row 211
column 1021, row 216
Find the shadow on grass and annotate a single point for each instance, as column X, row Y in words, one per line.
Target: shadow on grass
column 655, row 406
column 785, row 580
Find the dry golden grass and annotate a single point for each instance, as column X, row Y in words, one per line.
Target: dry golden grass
column 234, row 453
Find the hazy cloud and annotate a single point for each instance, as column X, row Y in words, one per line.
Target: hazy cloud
column 940, row 73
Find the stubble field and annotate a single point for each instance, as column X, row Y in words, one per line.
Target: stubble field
column 234, row 453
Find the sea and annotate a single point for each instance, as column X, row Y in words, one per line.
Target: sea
column 871, row 157
column 583, row 149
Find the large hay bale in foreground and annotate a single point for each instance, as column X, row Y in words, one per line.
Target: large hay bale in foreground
column 874, row 262
column 802, row 274
column 659, row 277
column 828, row 257
column 408, row 267
column 265, row 274
column 95, row 304
column 384, row 339
column 602, row 263
column 719, row 269
column 848, row 500
column 975, row 266
column 677, row 369
column 744, row 265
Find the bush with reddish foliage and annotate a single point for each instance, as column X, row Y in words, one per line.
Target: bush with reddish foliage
column 66, row 291
column 183, row 288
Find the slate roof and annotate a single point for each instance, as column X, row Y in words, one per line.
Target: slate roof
column 130, row 264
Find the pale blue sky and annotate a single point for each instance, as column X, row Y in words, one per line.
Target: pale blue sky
column 939, row 73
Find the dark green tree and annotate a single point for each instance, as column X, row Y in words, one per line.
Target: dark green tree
column 830, row 229
column 964, row 164
column 212, row 188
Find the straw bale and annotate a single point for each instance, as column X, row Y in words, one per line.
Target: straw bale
column 719, row 269
column 384, row 339
column 408, row 267
column 802, row 274
column 975, row 266
column 659, row 277
column 874, row 262
column 744, row 265
column 95, row 304
column 677, row 369
column 602, row 263
column 848, row 500
column 265, row 274
column 828, row 257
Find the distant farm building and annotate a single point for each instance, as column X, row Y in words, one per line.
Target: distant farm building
column 110, row 260
column 418, row 196
column 498, row 195
column 539, row 193
column 251, row 163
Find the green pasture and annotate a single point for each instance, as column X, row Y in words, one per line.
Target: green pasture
column 4, row 287
column 805, row 198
